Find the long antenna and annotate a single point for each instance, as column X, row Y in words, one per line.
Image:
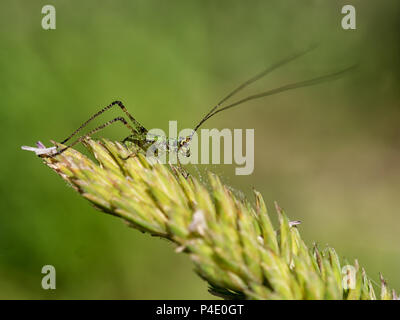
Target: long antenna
column 254, row 79
column 291, row 86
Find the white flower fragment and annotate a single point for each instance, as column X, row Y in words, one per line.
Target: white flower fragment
column 198, row 223
column 41, row 149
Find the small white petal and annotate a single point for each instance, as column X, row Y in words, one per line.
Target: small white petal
column 41, row 149
column 180, row 249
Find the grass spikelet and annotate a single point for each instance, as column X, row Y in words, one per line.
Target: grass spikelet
column 233, row 245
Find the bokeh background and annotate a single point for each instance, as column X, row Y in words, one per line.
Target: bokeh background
column 329, row 154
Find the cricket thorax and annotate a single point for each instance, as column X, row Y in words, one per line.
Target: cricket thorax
column 160, row 144
column 142, row 139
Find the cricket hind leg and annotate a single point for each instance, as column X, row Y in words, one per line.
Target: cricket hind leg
column 140, row 128
column 120, row 119
column 136, row 139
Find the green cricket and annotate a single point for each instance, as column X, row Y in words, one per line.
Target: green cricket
column 140, row 136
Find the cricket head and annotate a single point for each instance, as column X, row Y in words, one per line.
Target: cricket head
column 184, row 145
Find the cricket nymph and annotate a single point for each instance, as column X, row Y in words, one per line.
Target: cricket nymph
column 160, row 143
column 141, row 137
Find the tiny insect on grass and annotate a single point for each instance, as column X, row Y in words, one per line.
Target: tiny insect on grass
column 143, row 139
column 41, row 149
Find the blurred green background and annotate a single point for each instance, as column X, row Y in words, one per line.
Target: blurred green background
column 329, row 154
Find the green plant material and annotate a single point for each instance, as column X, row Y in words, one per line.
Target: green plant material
column 233, row 245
